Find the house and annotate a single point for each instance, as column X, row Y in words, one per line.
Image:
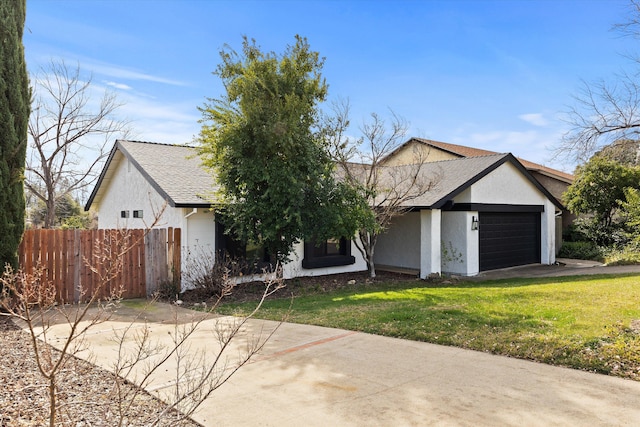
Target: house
column 483, row 212
column 142, row 180
column 553, row 180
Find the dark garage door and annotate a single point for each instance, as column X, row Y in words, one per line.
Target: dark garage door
column 508, row 239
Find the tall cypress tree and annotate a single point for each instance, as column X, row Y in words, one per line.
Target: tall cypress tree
column 14, row 118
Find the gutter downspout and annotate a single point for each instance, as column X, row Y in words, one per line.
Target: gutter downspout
column 186, row 228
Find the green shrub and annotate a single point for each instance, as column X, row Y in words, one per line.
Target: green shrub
column 580, row 250
column 629, row 255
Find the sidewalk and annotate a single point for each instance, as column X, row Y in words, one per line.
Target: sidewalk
column 315, row 376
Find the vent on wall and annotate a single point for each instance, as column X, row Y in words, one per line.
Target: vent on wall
column 124, row 214
column 137, row 214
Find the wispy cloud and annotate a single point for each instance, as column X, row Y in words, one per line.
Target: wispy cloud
column 120, row 86
column 125, row 73
column 536, row 119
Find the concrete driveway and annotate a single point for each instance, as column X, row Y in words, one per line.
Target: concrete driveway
column 315, row 376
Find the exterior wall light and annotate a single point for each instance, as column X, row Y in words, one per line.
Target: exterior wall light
column 475, row 225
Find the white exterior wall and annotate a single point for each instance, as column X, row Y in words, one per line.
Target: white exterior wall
column 430, row 236
column 505, row 185
column 294, row 267
column 399, row 246
column 200, row 231
column 129, row 190
column 548, row 230
column 460, row 245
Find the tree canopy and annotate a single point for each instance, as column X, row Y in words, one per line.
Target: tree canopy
column 14, row 116
column 262, row 141
column 598, row 192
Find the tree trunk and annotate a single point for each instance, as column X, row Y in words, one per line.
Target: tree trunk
column 372, row 269
column 50, row 217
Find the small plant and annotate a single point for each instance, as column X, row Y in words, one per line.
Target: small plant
column 449, row 253
column 209, row 272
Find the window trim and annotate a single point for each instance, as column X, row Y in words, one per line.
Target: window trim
column 311, row 260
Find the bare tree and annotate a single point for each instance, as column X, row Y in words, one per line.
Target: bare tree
column 361, row 164
column 58, row 332
column 68, row 131
column 605, row 112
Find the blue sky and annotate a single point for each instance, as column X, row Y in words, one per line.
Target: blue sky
column 490, row 74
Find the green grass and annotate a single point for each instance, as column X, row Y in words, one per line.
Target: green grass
column 582, row 322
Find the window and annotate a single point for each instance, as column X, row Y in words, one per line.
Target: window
column 137, row 214
column 256, row 257
column 124, row 214
column 330, row 253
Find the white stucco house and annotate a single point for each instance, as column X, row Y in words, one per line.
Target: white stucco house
column 142, row 179
column 484, row 212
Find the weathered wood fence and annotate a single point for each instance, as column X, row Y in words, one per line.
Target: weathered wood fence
column 83, row 263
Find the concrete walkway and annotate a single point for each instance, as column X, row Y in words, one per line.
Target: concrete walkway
column 315, row 376
column 563, row 267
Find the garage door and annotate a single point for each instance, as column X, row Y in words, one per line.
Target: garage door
column 509, row 239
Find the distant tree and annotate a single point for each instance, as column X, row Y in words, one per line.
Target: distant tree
column 69, row 214
column 14, row 115
column 262, row 141
column 623, row 151
column 69, row 134
column 381, row 193
column 605, row 112
column 630, row 208
column 597, row 194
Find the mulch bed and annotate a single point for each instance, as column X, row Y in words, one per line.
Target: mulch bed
column 85, row 391
column 251, row 291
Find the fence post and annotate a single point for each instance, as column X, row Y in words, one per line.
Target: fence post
column 77, row 265
column 176, row 262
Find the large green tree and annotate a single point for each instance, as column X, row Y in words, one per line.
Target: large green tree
column 597, row 193
column 14, row 116
column 263, row 142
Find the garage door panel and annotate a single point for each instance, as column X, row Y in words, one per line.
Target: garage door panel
column 509, row 239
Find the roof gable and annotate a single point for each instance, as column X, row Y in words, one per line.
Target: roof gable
column 455, row 176
column 174, row 171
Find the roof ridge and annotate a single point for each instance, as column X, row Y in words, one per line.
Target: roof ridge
column 469, row 158
column 155, row 143
column 445, row 145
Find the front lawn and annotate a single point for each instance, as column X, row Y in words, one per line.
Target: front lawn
column 584, row 322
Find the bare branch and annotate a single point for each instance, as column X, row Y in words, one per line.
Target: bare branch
column 69, row 133
column 362, row 164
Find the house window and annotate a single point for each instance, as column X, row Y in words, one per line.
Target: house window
column 124, row 214
column 255, row 256
column 329, row 253
column 137, row 214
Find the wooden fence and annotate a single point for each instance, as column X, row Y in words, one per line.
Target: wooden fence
column 83, row 263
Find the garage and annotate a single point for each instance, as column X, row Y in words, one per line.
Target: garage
column 508, row 239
